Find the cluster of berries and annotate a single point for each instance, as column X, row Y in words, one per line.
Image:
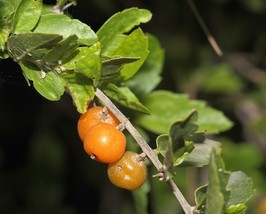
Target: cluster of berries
column 104, row 141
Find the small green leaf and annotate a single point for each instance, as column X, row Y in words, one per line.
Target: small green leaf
column 115, row 42
column 165, row 148
column 134, row 45
column 111, row 67
column 200, row 197
column 125, row 97
column 121, row 23
column 27, row 15
column 200, row 156
column 215, row 187
column 61, row 50
column 236, row 209
column 178, row 154
column 70, row 63
column 167, row 107
column 150, row 70
column 65, row 26
column 49, row 85
column 6, row 10
column 162, row 142
column 181, row 130
column 90, row 66
column 241, row 190
column 80, row 88
column 22, row 46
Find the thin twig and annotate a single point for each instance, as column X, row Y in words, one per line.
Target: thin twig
column 186, row 207
column 144, row 146
column 205, row 29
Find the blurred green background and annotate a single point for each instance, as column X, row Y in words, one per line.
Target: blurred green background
column 43, row 168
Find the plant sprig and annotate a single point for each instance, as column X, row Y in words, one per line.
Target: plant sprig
column 145, row 148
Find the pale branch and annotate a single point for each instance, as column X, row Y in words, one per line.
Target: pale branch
column 144, row 146
column 131, row 129
column 205, row 29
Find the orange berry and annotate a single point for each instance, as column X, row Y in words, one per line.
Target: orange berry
column 105, row 143
column 129, row 172
column 94, row 116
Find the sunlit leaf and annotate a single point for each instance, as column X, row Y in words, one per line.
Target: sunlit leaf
column 27, row 15
column 150, row 70
column 90, row 66
column 6, row 10
column 48, row 84
column 120, row 23
column 79, row 53
column 134, row 45
column 65, row 26
column 80, row 88
column 116, row 43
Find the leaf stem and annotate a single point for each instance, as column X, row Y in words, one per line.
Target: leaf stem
column 144, row 146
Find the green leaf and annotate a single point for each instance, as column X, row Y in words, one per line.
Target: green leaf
column 80, row 52
column 90, row 66
column 165, row 148
column 111, row 67
column 215, row 198
column 65, row 26
column 80, row 88
column 200, row 197
column 6, row 10
column 182, row 130
column 121, row 23
column 167, row 107
column 27, row 15
column 115, row 43
column 133, row 45
column 61, row 50
column 241, row 190
column 227, row 192
column 200, row 156
column 49, row 85
column 150, row 70
column 125, row 97
column 172, row 153
column 28, row 46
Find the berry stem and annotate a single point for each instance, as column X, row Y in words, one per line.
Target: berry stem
column 144, row 146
